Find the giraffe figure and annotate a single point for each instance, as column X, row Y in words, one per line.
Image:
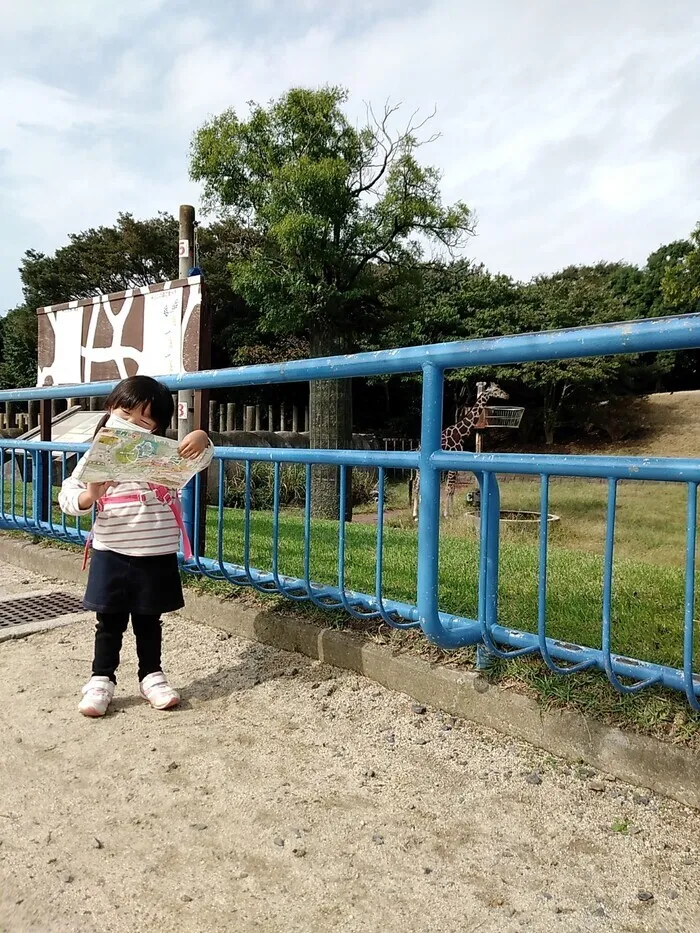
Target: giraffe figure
column 454, row 438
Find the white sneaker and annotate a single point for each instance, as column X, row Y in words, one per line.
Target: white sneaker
column 98, row 693
column 156, row 689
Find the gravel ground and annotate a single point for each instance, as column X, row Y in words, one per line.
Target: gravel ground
column 287, row 796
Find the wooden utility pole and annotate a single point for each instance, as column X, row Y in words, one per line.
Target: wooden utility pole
column 193, row 407
column 42, row 482
column 185, row 400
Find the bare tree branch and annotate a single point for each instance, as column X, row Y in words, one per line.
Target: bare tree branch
column 389, row 145
column 411, row 128
column 375, row 253
column 384, row 141
column 439, row 234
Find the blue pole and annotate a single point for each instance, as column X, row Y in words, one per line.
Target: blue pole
column 188, row 502
column 490, row 499
column 38, row 491
column 492, row 549
column 429, row 504
column 689, row 609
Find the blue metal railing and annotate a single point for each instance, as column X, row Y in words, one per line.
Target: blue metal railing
column 443, row 628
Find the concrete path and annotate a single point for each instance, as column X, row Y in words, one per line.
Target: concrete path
column 285, row 796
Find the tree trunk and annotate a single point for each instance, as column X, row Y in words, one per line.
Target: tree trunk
column 330, row 428
column 549, row 416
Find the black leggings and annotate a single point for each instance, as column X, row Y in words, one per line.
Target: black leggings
column 108, row 642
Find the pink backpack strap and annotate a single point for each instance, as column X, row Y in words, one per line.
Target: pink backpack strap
column 162, row 494
column 86, row 552
column 88, row 542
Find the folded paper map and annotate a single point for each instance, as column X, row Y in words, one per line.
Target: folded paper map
column 135, row 457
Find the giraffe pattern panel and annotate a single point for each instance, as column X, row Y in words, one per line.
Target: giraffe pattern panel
column 156, row 330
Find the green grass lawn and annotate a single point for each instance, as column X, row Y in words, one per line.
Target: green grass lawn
column 650, row 524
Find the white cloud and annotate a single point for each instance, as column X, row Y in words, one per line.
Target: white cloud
column 74, row 21
column 549, row 112
column 50, row 151
column 62, row 166
column 628, row 187
column 572, row 129
column 29, row 103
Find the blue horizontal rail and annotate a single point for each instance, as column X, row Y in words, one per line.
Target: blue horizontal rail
column 669, row 469
column 37, row 468
column 359, row 458
column 650, row 469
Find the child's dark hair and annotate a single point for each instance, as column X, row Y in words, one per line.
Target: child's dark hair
column 139, row 392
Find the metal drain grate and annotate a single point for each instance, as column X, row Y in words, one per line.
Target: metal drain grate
column 38, row 608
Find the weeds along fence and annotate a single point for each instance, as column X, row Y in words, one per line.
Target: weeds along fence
column 259, row 487
column 505, row 602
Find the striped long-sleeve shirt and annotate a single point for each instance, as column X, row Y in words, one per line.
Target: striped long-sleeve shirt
column 136, row 529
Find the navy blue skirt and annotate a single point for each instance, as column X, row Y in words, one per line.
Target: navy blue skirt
column 139, row 585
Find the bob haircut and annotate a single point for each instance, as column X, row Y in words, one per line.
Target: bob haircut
column 138, row 392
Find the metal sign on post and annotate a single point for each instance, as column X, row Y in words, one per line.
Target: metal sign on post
column 155, row 329
column 185, row 400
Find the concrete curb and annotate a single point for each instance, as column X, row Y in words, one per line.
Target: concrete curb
column 672, row 771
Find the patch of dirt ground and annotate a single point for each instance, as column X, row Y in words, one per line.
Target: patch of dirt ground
column 672, row 421
column 667, row 425
column 288, row 796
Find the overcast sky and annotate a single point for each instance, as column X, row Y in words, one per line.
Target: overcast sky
column 571, row 128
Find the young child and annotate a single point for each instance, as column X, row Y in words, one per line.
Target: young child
column 134, row 569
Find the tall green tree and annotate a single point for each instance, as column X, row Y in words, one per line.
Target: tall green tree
column 105, row 259
column 572, row 298
column 671, row 369
column 678, row 279
column 130, row 253
column 344, row 215
column 18, row 339
column 555, row 390
column 681, row 275
column 641, row 294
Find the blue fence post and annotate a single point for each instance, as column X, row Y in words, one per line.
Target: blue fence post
column 484, row 659
column 429, row 503
column 43, row 466
column 490, row 498
column 38, row 491
column 189, row 507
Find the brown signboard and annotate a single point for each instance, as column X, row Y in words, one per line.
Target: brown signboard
column 155, row 330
